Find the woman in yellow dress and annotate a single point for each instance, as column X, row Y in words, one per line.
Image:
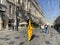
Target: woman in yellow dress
column 29, row 30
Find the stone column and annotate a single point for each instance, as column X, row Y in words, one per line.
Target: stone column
column 0, row 23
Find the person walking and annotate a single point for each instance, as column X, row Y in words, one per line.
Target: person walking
column 30, row 28
column 42, row 28
column 46, row 28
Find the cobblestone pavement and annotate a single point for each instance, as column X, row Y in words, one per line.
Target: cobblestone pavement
column 9, row 37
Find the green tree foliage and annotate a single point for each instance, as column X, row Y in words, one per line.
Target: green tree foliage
column 35, row 24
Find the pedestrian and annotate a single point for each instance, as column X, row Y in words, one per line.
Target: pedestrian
column 46, row 28
column 30, row 28
column 42, row 28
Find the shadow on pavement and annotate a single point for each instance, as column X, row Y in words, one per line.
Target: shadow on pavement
column 47, row 42
column 58, row 30
column 34, row 36
column 21, row 43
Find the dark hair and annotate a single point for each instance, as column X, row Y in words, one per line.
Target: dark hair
column 28, row 21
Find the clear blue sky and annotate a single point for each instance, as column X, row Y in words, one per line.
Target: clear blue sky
column 50, row 8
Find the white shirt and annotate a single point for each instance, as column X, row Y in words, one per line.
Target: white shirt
column 42, row 26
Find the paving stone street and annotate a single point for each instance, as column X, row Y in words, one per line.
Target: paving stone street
column 10, row 37
column 29, row 22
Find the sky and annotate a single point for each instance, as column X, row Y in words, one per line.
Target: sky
column 50, row 9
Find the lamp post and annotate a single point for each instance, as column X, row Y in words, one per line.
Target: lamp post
column 17, row 13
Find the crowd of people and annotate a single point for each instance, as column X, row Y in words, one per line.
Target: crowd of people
column 44, row 28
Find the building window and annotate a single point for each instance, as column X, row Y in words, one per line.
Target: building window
column 3, row 2
column 19, row 1
column 17, row 8
column 24, row 3
column 11, row 9
column 0, row 1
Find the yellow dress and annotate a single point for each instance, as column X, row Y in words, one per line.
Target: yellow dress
column 29, row 31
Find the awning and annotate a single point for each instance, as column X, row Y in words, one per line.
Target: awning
column 22, row 23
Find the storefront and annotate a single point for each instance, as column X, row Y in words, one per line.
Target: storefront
column 3, row 21
column 11, row 24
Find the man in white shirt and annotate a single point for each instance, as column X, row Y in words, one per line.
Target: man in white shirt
column 42, row 28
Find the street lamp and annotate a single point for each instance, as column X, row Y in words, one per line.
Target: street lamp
column 17, row 13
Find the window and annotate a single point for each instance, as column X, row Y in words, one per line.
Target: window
column 17, row 8
column 19, row 1
column 24, row 3
column 0, row 1
column 3, row 2
column 11, row 9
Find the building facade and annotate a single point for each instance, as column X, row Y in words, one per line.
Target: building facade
column 3, row 16
column 17, row 11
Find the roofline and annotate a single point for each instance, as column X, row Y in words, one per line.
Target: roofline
column 38, row 7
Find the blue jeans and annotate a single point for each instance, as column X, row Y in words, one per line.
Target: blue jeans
column 46, row 30
column 42, row 30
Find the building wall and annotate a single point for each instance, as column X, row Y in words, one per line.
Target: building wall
column 24, row 9
column 29, row 6
column 12, row 7
column 35, row 10
column 2, row 14
column 3, row 2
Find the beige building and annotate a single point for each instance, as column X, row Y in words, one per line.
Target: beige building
column 36, row 12
column 3, row 16
column 8, row 12
column 17, row 11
